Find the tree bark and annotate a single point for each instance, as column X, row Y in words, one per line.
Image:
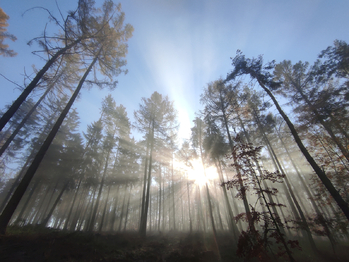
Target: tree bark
column 14, row 107
column 17, row 195
column 145, row 178
column 45, row 221
column 24, row 120
column 72, row 205
column 128, row 204
column 231, row 220
column 143, row 225
column 95, row 209
column 322, row 122
column 322, row 176
column 104, row 211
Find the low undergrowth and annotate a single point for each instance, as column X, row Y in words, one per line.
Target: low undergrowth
column 42, row 244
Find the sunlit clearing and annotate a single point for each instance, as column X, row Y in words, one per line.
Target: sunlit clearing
column 197, row 173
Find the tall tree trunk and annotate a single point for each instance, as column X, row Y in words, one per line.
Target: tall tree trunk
column 90, row 213
column 231, row 220
column 113, row 217
column 322, row 176
column 145, row 178
column 310, row 197
column 47, row 189
column 17, row 195
column 45, row 221
column 24, row 168
column 127, row 207
column 189, row 212
column 246, row 205
column 270, row 198
column 95, row 209
column 182, row 204
column 150, row 210
column 104, row 210
column 173, row 195
column 72, row 205
column 163, row 205
column 159, row 198
column 122, row 210
column 274, row 220
column 14, row 107
column 319, row 118
column 80, row 209
column 297, row 210
column 200, row 215
column 143, row 226
column 15, row 184
column 26, row 203
column 24, row 120
column 218, row 253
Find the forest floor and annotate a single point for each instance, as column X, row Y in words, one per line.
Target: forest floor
column 24, row 244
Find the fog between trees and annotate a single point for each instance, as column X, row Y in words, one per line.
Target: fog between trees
column 268, row 177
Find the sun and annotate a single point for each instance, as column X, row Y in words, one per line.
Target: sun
column 199, row 175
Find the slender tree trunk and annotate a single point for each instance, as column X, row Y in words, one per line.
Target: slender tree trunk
column 81, row 208
column 322, row 176
column 159, row 198
column 173, row 195
column 189, row 212
column 163, row 205
column 182, row 204
column 122, row 209
column 26, row 203
column 23, row 170
column 145, row 178
column 17, row 195
column 143, row 227
column 95, row 209
column 24, row 120
column 90, row 213
column 42, row 216
column 200, row 216
column 246, row 205
column 35, row 216
column 45, row 221
column 317, row 211
column 274, row 220
column 14, row 107
column 270, row 198
column 83, row 216
column 104, row 210
column 218, row 253
column 72, row 205
column 127, row 207
column 113, row 217
column 323, row 123
column 297, row 210
column 231, row 220
column 15, row 184
column 150, row 210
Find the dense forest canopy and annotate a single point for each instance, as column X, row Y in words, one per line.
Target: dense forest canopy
column 266, row 164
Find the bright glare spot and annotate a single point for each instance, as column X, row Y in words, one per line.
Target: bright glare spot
column 197, row 173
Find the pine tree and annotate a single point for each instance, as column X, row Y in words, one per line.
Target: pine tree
column 155, row 117
column 255, row 68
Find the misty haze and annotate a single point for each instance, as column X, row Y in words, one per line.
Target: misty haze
column 174, row 131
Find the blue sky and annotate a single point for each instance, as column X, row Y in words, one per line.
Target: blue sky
column 179, row 46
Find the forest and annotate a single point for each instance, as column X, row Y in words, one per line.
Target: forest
column 264, row 176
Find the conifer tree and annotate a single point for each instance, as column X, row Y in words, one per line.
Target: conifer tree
column 254, row 67
column 109, row 49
